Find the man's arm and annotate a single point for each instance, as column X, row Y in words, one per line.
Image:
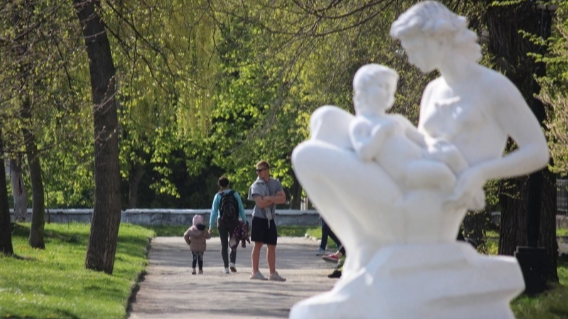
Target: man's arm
column 279, row 198
column 262, row 201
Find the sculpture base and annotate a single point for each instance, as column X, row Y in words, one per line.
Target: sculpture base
column 437, row 281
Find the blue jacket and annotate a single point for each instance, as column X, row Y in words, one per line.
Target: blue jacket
column 216, row 204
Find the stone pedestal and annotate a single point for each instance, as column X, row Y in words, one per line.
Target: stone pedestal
column 425, row 281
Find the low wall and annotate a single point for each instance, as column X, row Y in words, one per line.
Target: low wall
column 171, row 217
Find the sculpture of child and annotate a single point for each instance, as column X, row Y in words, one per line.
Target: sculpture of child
column 410, row 159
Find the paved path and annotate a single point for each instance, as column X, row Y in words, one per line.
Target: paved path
column 169, row 290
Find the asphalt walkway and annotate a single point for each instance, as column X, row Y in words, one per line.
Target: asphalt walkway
column 169, row 290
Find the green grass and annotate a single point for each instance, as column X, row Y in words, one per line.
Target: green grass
column 550, row 305
column 53, row 283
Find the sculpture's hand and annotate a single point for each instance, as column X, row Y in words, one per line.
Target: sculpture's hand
column 468, row 192
column 361, row 139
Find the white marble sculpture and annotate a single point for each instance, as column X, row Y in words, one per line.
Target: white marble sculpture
column 396, row 195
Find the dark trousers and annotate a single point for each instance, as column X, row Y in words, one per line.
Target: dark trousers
column 225, row 235
column 325, row 232
column 197, row 259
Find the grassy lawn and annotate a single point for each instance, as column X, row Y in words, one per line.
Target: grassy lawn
column 53, row 283
column 550, row 305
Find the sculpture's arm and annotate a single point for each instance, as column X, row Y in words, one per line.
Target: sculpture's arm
column 517, row 121
column 411, row 131
column 367, row 140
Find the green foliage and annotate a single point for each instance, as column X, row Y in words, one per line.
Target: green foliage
column 554, row 87
column 42, row 61
column 206, row 88
column 53, row 283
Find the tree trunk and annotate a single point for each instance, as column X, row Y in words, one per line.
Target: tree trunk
column 106, row 214
column 536, row 198
column 36, row 239
column 513, row 226
column 5, row 227
column 134, row 179
column 547, row 235
column 295, row 194
column 19, row 193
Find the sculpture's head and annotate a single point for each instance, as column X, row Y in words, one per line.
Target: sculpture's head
column 429, row 27
column 374, row 86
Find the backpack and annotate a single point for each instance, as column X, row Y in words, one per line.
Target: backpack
column 229, row 210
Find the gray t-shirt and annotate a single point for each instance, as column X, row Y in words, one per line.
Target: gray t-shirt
column 262, row 188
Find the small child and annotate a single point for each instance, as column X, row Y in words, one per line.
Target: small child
column 392, row 141
column 196, row 237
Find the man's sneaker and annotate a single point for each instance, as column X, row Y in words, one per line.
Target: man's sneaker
column 276, row 277
column 193, row 271
column 331, row 258
column 201, row 271
column 335, row 274
column 226, row 271
column 320, row 252
column 232, row 267
column 258, row 276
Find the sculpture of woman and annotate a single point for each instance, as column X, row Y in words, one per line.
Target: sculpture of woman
column 473, row 107
column 475, row 110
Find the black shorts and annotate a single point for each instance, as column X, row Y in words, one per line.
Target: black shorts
column 262, row 232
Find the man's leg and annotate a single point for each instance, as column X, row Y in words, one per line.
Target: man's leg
column 255, row 256
column 271, row 258
column 271, row 241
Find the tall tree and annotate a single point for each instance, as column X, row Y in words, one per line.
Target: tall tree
column 534, row 195
column 5, row 226
column 107, row 208
column 19, row 194
column 23, row 20
column 36, row 238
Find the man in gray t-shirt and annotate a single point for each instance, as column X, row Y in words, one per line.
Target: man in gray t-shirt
column 266, row 192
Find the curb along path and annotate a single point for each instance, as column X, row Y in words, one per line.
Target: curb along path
column 169, row 290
